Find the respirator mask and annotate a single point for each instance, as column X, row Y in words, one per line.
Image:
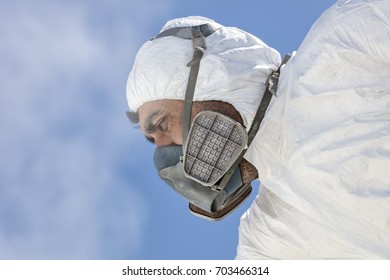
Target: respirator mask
column 205, row 170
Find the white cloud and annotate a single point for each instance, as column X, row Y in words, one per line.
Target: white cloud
column 62, row 130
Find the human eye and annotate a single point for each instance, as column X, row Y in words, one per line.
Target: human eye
column 159, row 126
column 150, row 139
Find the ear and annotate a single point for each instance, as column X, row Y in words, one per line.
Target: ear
column 132, row 116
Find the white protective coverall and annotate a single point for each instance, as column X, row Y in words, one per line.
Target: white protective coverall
column 323, row 148
column 323, row 151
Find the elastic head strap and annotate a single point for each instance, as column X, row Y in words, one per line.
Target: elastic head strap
column 199, row 47
column 197, row 34
column 187, row 32
column 270, row 89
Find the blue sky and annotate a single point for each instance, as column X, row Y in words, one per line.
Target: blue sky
column 76, row 178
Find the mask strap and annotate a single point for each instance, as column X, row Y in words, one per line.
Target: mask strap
column 187, row 32
column 199, row 47
column 271, row 86
column 197, row 35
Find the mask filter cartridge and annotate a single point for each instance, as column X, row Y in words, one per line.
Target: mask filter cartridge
column 214, row 142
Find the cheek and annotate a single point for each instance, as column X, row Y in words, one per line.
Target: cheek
column 176, row 133
column 175, row 123
column 178, row 136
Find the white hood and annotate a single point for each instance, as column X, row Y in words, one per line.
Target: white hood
column 235, row 65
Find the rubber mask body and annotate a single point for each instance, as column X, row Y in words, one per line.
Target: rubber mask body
column 168, row 162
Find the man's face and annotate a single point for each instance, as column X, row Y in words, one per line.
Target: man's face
column 161, row 122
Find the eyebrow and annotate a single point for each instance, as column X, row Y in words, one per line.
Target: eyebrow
column 150, row 127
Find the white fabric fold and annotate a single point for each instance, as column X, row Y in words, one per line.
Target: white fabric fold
column 323, row 151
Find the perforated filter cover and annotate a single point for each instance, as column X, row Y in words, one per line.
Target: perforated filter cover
column 214, row 143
